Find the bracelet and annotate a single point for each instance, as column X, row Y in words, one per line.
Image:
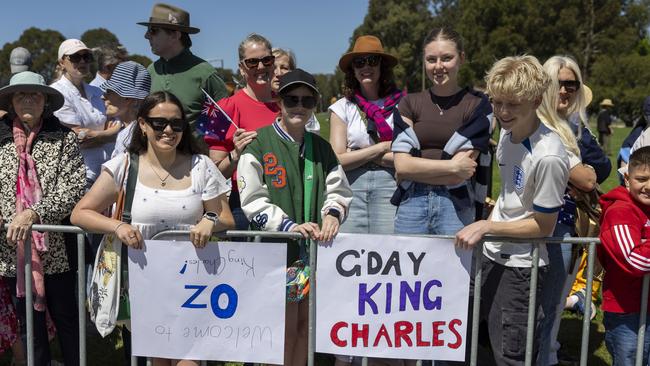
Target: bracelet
column 230, row 159
column 118, row 226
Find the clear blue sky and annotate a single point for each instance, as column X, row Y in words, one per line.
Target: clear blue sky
column 317, row 31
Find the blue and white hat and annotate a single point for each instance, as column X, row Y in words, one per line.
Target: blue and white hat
column 129, row 80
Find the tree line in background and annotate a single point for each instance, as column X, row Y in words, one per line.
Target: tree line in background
column 608, row 38
column 44, row 46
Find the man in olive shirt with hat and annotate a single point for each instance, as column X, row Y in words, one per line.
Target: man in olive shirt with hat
column 178, row 71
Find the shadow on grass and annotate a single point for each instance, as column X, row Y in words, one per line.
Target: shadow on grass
column 570, row 336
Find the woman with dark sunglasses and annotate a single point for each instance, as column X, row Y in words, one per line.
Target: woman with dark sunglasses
column 83, row 110
column 250, row 108
column 563, row 109
column 361, row 131
column 177, row 186
column 284, row 162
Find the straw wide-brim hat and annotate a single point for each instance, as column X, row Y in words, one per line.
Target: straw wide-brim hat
column 606, row 103
column 30, row 82
column 170, row 17
column 366, row 45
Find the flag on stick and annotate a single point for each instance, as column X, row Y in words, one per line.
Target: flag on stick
column 213, row 122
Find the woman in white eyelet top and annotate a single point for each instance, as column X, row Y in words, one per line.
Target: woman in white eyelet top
column 156, row 209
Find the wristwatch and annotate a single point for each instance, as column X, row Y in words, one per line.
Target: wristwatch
column 335, row 213
column 212, row 216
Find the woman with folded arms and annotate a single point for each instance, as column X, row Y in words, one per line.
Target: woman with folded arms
column 361, row 131
column 439, row 135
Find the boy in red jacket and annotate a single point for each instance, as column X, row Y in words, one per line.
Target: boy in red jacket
column 625, row 255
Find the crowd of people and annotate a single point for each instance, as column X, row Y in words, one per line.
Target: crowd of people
column 393, row 163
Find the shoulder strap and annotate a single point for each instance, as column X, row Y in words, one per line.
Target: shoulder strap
column 131, row 180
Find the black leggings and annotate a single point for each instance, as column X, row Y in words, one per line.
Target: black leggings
column 62, row 305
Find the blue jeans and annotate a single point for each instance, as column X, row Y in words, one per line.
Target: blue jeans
column 370, row 211
column 620, row 338
column 426, row 209
column 559, row 265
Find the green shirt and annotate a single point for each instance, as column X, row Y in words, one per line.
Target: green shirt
column 184, row 75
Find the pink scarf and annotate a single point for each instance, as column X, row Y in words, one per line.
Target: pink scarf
column 376, row 123
column 28, row 192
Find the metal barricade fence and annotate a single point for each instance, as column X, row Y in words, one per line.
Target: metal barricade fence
column 258, row 235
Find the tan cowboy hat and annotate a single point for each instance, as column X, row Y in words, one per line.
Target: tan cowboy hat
column 30, row 82
column 365, row 45
column 606, row 103
column 589, row 95
column 170, row 17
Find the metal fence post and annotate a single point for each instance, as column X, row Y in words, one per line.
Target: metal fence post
column 476, row 305
column 642, row 321
column 29, row 299
column 311, row 347
column 586, row 321
column 532, row 298
column 81, row 299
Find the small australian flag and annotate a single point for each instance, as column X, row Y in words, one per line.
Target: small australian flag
column 212, row 122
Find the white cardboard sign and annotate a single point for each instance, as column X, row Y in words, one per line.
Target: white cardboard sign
column 224, row 302
column 392, row 297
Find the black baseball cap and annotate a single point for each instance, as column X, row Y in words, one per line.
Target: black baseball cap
column 297, row 77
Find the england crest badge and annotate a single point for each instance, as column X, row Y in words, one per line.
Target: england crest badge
column 518, row 178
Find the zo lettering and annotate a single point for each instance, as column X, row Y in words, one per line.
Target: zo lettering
column 228, row 311
column 277, row 172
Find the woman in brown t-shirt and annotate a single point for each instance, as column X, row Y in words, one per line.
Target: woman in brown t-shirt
column 437, row 141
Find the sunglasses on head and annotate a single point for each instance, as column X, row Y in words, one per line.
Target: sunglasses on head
column 292, row 101
column 266, row 61
column 570, row 85
column 370, row 60
column 77, row 57
column 159, row 124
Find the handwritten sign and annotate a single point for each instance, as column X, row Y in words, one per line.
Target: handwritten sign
column 392, row 297
column 223, row 302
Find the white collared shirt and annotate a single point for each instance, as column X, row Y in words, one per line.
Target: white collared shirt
column 88, row 113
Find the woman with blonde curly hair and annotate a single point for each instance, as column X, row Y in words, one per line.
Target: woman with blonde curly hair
column 563, row 109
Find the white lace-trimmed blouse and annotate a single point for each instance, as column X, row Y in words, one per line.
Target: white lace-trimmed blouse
column 155, row 209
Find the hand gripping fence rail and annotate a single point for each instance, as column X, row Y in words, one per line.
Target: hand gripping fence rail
column 259, row 235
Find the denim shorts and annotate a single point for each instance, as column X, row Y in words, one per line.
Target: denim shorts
column 427, row 209
column 370, row 211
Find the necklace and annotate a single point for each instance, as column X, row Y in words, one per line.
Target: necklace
column 451, row 100
column 162, row 180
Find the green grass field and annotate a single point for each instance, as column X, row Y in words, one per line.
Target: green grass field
column 616, row 141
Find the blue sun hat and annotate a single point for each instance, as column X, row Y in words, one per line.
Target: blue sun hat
column 30, row 82
column 129, row 80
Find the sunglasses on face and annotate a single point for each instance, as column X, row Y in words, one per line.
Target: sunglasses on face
column 77, row 57
column 159, row 124
column 370, row 60
column 292, row 101
column 266, row 61
column 570, row 85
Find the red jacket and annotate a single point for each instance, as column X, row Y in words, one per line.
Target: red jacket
column 624, row 253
